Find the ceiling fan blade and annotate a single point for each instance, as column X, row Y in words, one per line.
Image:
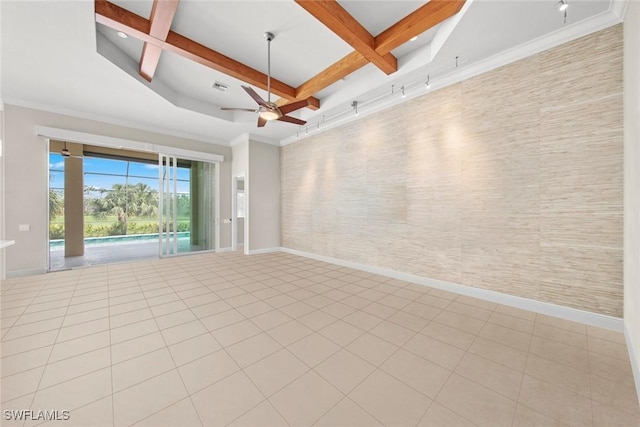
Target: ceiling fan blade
column 237, row 109
column 252, row 93
column 287, row 108
column 290, row 119
column 261, row 122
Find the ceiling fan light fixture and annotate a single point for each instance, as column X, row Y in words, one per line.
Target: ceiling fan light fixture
column 65, row 152
column 269, row 115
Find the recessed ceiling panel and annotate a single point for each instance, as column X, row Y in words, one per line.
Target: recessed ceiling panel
column 422, row 40
column 130, row 45
column 301, row 48
column 139, row 7
column 376, row 16
column 196, row 81
column 491, row 26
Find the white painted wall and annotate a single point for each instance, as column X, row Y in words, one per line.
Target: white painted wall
column 632, row 185
column 26, row 176
column 263, row 195
column 240, row 154
column 260, row 165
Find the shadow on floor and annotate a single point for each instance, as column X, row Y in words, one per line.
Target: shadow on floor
column 104, row 254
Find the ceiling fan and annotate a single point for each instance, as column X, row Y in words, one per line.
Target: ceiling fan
column 268, row 110
column 66, row 153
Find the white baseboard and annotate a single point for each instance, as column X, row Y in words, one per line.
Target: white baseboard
column 633, row 358
column 22, row 273
column 568, row 313
column 264, row 251
column 227, row 249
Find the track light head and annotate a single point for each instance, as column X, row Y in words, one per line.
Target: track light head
column 563, row 5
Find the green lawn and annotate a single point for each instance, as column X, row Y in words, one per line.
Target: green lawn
column 109, row 226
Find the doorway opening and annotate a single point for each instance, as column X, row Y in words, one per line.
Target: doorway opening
column 105, row 205
column 238, row 217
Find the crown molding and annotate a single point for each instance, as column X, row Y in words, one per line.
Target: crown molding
column 619, row 8
column 262, row 139
column 239, row 140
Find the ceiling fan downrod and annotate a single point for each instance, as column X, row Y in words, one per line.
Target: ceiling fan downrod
column 269, row 36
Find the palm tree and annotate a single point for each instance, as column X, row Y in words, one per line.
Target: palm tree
column 143, row 200
column 56, row 204
column 126, row 201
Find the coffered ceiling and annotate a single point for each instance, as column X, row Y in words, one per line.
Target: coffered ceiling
column 66, row 56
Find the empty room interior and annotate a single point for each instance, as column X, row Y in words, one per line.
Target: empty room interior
column 320, row 213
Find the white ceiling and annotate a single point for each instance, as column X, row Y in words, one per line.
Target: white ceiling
column 50, row 60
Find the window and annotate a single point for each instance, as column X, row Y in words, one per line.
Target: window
column 240, row 203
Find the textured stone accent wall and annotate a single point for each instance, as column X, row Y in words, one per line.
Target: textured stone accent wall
column 510, row 181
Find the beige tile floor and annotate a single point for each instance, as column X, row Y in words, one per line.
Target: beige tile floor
column 270, row 340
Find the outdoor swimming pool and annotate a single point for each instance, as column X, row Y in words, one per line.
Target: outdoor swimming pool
column 183, row 236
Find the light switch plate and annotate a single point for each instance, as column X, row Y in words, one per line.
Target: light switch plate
column 24, row 227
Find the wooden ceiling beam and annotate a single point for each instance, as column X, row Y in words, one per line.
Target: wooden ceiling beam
column 416, row 23
column 338, row 20
column 431, row 14
column 134, row 25
column 162, row 13
column 347, row 65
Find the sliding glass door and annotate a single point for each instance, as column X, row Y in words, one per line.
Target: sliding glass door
column 186, row 205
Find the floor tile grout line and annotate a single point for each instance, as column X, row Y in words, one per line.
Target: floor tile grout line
column 162, row 409
column 590, row 388
column 286, row 348
column 175, row 366
column 451, row 373
column 44, row 371
column 346, row 395
column 59, row 360
column 223, row 348
column 526, row 362
column 113, row 401
column 266, row 398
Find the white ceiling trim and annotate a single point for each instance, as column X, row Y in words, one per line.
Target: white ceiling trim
column 246, row 137
column 119, row 143
column 239, row 139
column 599, row 22
column 619, row 8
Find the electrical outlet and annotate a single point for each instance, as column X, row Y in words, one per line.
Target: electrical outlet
column 24, row 227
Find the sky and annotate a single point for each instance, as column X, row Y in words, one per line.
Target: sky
column 143, row 172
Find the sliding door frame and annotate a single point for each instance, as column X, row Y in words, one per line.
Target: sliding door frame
column 52, row 133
